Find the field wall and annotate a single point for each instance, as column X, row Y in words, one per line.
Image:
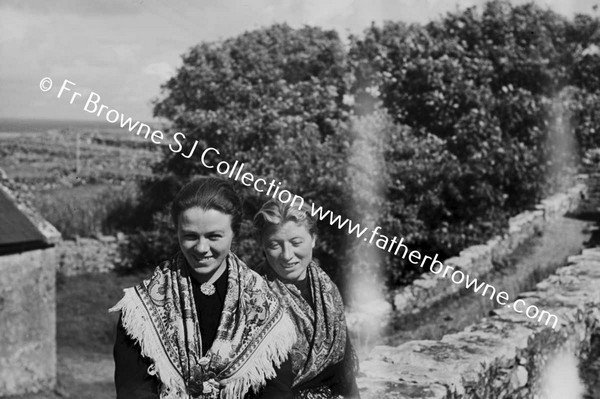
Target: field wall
column 478, row 260
column 503, row 356
column 85, row 255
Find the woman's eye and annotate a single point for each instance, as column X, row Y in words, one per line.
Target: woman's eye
column 214, row 237
column 273, row 245
column 297, row 242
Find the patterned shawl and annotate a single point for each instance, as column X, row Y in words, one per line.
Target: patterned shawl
column 254, row 335
column 321, row 332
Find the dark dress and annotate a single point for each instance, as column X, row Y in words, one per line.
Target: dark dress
column 339, row 378
column 132, row 380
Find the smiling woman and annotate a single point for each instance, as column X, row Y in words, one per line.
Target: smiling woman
column 204, row 325
column 323, row 360
column 288, row 248
column 205, row 238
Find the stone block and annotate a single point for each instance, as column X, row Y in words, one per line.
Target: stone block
column 27, row 322
column 403, row 300
column 459, row 262
column 91, row 255
column 503, row 356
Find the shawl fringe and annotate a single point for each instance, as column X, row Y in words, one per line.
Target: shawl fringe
column 256, row 355
column 135, row 319
column 321, row 330
column 270, row 354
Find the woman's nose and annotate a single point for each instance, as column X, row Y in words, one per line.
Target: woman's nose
column 287, row 253
column 202, row 245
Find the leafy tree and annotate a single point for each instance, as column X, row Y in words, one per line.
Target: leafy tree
column 583, row 35
column 438, row 133
column 486, row 85
column 273, row 99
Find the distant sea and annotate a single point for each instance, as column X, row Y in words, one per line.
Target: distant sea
column 11, row 125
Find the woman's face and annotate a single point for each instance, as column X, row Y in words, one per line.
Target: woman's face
column 205, row 239
column 288, row 248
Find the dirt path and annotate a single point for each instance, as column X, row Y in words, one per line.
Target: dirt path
column 85, row 375
column 85, row 335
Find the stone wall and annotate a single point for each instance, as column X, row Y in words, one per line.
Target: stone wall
column 83, row 255
column 503, row 356
column 27, row 322
column 478, row 260
column 368, row 318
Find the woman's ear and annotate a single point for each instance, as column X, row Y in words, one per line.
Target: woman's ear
column 314, row 240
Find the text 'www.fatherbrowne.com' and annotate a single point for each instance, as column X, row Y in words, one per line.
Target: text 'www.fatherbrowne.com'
column 92, row 104
column 397, row 247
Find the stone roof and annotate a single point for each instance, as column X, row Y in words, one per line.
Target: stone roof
column 21, row 226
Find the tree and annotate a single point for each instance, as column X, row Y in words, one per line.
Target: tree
column 273, row 99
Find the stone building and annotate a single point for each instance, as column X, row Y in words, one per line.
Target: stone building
column 27, row 295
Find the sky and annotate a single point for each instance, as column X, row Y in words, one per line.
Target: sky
column 123, row 50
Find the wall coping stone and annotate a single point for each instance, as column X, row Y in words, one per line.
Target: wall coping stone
column 503, row 349
column 477, row 260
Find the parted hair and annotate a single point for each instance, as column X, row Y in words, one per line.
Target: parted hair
column 209, row 193
column 275, row 213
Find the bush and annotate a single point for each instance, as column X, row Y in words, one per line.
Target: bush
column 147, row 249
column 585, row 119
column 438, row 133
column 490, row 90
column 88, row 210
column 272, row 99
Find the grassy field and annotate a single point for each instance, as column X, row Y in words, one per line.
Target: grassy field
column 53, row 159
column 83, row 182
column 87, row 209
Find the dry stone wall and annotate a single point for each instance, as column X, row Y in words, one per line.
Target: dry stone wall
column 506, row 355
column 84, row 255
column 503, row 356
column 479, row 260
column 475, row 261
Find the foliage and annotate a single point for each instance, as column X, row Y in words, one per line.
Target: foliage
column 587, row 119
column 148, row 248
column 438, row 132
column 490, row 89
column 272, row 99
column 255, row 93
column 88, row 210
column 584, row 34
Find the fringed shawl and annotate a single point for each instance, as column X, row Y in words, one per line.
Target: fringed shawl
column 322, row 331
column 253, row 338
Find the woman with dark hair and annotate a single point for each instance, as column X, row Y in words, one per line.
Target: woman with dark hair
column 203, row 325
column 323, row 360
